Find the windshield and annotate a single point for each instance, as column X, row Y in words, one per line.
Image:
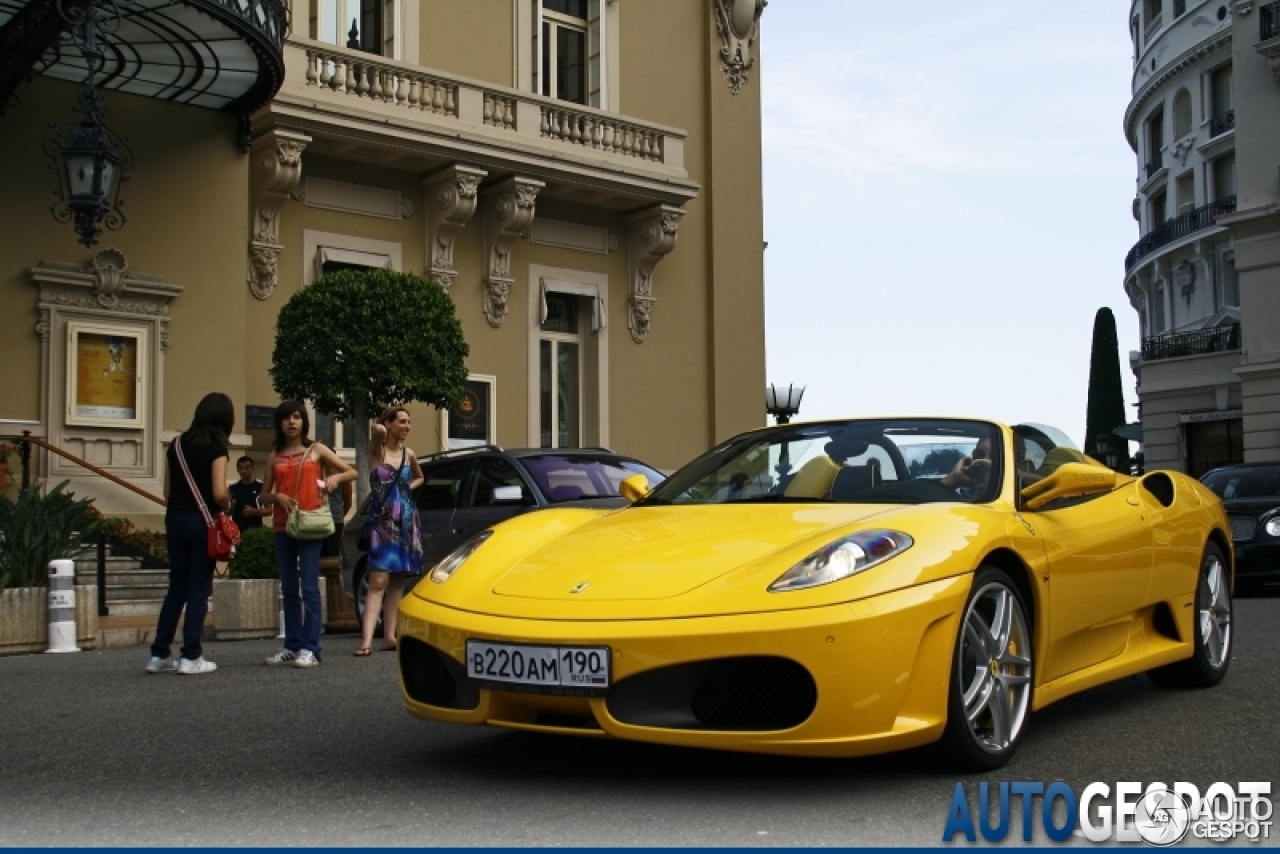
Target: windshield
column 1253, row 482
column 571, row 477
column 898, row 461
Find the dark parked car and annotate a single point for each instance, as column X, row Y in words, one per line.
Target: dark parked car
column 1251, row 494
column 462, row 495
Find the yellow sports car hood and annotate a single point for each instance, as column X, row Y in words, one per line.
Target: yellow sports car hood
column 676, row 561
column 660, row 552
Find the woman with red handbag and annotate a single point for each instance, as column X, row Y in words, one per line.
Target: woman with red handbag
column 195, row 491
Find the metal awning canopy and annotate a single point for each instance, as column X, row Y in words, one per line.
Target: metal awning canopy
column 219, row 54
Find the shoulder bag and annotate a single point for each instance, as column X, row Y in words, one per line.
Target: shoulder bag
column 224, row 536
column 308, row 524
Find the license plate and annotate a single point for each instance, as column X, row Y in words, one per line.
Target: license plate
column 578, row 671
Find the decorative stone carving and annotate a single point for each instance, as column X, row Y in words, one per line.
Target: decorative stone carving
column 509, row 210
column 110, row 265
column 1184, row 276
column 651, row 235
column 738, row 22
column 1243, row 7
column 450, row 197
column 277, row 169
column 1183, row 147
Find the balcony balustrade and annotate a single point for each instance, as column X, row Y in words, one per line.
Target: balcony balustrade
column 1221, row 123
column 411, row 92
column 1189, row 223
column 1155, row 164
column 1198, row 343
column 1269, row 21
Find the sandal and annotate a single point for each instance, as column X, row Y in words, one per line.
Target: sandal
column 362, row 651
column 388, row 647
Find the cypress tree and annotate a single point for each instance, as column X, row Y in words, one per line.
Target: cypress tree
column 1106, row 394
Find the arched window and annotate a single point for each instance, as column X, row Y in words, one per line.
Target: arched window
column 1181, row 114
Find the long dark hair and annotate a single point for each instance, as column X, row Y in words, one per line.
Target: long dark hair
column 213, row 422
column 283, row 411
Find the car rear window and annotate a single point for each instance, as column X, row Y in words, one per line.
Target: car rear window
column 570, row 477
column 1260, row 482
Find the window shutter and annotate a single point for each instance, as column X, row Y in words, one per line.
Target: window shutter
column 596, row 38
column 536, row 12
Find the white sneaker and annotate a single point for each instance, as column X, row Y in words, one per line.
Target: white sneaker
column 305, row 658
column 162, row 665
column 189, row 666
column 282, row 656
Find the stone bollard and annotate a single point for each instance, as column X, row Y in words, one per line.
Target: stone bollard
column 62, row 606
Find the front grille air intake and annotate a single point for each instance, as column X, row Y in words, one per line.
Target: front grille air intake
column 434, row 678
column 755, row 693
column 1243, row 528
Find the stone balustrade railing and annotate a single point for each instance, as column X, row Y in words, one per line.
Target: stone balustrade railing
column 400, row 85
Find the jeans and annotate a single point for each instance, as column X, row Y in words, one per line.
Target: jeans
column 299, row 565
column 190, row 583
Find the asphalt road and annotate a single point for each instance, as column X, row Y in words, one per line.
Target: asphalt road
column 95, row 752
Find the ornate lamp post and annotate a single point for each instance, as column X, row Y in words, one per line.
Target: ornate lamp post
column 783, row 404
column 1106, row 446
column 90, row 160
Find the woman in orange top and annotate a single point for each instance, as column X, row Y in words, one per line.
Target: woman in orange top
column 299, row 560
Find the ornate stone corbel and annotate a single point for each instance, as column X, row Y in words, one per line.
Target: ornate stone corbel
column 1244, row 7
column 738, row 22
column 108, row 267
column 451, row 200
column 277, row 169
column 651, row 235
column 508, row 213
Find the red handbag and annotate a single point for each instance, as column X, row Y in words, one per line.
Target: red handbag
column 224, row 535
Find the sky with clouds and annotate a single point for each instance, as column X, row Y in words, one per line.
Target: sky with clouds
column 947, row 204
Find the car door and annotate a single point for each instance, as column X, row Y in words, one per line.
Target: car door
column 1099, row 555
column 477, row 510
column 437, row 501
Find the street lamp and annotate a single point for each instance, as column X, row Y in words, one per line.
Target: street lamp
column 90, row 160
column 1107, row 447
column 783, row 404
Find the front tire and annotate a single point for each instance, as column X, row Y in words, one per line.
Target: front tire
column 989, row 696
column 1211, row 634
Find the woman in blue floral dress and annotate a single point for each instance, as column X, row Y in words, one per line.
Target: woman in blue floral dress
column 395, row 544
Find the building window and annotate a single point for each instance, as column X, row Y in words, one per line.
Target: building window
column 1224, row 177
column 367, row 25
column 1186, row 189
column 1157, row 310
column 1155, row 143
column 1230, row 290
column 1181, row 114
column 1213, row 443
column 1179, row 8
column 1159, row 209
column 569, row 38
column 560, row 372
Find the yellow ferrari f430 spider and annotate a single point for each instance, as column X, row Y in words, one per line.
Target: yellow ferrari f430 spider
column 835, row 589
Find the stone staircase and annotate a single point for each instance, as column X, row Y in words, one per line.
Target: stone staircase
column 131, row 590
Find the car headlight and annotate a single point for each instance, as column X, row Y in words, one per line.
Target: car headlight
column 1273, row 526
column 845, row 557
column 445, row 569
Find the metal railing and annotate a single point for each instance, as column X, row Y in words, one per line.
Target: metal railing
column 1221, row 123
column 1198, row 343
column 1155, row 164
column 24, row 442
column 1269, row 21
column 1199, row 219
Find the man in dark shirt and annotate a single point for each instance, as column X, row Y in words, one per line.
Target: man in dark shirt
column 246, row 509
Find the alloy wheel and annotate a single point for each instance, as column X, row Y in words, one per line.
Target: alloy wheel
column 995, row 667
column 1215, row 612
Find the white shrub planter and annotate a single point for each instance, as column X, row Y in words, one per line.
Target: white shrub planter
column 24, row 618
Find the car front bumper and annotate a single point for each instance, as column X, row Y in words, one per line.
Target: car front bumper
column 880, row 666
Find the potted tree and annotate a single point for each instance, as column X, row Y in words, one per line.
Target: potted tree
column 38, row 527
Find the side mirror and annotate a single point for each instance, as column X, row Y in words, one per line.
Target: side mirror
column 1068, row 480
column 634, row 488
column 506, row 495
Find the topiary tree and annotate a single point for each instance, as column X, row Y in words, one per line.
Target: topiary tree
column 1106, row 394
column 356, row 341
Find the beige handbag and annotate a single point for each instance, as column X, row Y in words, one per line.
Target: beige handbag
column 308, row 524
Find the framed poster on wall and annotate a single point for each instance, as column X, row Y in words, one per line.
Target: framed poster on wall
column 473, row 421
column 106, row 364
